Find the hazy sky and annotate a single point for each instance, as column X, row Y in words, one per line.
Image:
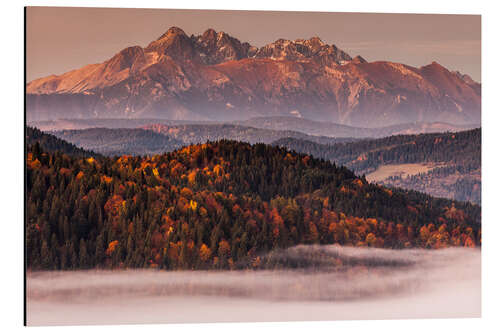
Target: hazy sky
column 61, row 39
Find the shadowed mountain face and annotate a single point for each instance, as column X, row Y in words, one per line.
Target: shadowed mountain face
column 216, row 77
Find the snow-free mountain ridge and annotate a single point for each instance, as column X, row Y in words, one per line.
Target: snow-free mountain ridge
column 214, row 76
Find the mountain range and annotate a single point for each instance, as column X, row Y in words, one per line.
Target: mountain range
column 214, row 76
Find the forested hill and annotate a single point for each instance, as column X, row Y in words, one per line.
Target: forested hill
column 120, row 141
column 201, row 133
column 51, row 143
column 219, row 205
column 444, row 165
column 325, row 128
column 365, row 155
column 161, row 138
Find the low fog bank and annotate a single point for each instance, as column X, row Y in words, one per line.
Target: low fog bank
column 314, row 283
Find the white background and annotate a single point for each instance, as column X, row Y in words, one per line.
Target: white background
column 11, row 162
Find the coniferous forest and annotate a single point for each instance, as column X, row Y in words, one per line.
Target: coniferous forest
column 456, row 159
column 216, row 205
column 461, row 148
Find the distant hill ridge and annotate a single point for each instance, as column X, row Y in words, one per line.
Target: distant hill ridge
column 454, row 157
column 199, row 133
column 312, row 127
column 160, row 138
column 119, row 141
column 280, row 123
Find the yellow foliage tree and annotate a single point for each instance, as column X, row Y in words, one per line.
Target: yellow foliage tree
column 155, row 172
column 218, row 170
column 193, row 204
column 205, row 253
column 424, row 234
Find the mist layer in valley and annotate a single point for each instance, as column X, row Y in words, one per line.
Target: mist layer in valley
column 306, row 283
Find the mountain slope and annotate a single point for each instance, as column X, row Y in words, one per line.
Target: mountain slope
column 220, row 205
column 216, row 77
column 445, row 164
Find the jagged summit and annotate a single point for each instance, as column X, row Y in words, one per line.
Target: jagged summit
column 304, row 50
column 316, row 40
column 209, row 34
column 218, row 47
column 172, row 31
column 214, row 47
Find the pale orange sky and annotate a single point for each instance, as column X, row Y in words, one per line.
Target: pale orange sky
column 59, row 39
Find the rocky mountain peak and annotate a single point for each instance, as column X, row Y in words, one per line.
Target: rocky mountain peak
column 172, row 32
column 223, row 37
column 214, row 47
column 217, row 47
column 209, row 34
column 316, row 42
column 313, row 49
column 174, row 43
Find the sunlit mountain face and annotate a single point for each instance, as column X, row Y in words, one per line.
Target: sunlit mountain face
column 214, row 76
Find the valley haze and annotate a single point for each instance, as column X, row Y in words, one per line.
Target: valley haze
column 428, row 288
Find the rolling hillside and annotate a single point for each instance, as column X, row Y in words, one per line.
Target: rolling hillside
column 318, row 128
column 51, row 143
column 131, row 141
column 198, row 133
column 161, row 138
column 219, row 205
